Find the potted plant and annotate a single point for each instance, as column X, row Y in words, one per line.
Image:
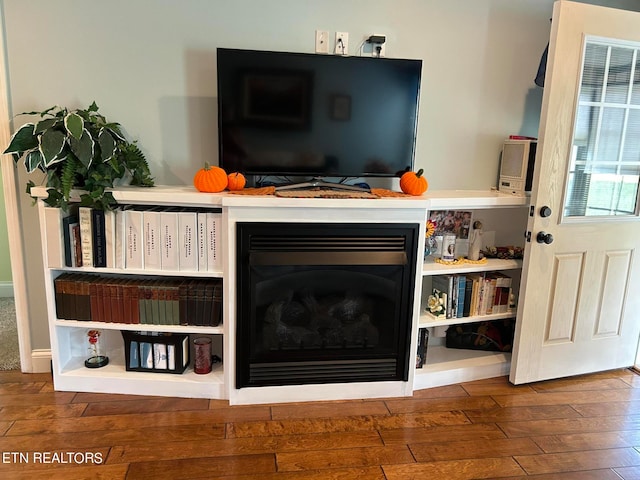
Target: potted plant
column 78, row 150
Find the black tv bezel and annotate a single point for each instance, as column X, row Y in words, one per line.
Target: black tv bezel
column 314, row 173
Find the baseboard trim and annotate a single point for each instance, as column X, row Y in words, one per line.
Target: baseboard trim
column 6, row 289
column 41, row 361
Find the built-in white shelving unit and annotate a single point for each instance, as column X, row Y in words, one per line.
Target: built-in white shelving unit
column 443, row 366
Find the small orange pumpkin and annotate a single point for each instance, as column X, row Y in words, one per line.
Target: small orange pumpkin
column 210, row 179
column 236, row 181
column 413, row 183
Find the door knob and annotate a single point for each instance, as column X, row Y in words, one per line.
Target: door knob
column 545, row 211
column 543, row 237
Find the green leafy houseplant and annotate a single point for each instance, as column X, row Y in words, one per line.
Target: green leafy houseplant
column 79, row 150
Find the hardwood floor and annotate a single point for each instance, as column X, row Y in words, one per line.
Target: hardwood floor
column 581, row 428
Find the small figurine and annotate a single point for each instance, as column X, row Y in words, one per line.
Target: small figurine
column 475, row 244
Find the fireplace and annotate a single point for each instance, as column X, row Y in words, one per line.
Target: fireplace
column 324, row 303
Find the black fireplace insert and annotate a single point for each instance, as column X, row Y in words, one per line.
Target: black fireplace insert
column 324, row 303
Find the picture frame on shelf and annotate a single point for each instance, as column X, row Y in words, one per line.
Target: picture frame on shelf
column 456, row 222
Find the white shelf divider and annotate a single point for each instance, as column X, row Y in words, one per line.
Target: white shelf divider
column 141, row 327
column 431, row 267
column 429, row 320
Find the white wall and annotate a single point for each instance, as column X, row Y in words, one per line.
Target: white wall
column 150, row 65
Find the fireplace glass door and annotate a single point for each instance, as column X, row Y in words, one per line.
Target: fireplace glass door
column 324, row 303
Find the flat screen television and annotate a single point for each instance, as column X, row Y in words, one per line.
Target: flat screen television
column 316, row 116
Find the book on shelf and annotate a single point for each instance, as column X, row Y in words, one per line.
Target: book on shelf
column 486, row 296
column 214, row 235
column 104, row 295
column 421, row 352
column 120, row 250
column 169, row 240
column 461, row 283
column 160, row 356
column 151, row 235
column 144, row 297
column 444, row 285
column 502, row 292
column 97, row 309
column 187, row 241
column 83, row 297
column 60, row 292
column 468, row 291
column 477, row 280
column 474, row 294
column 171, row 357
column 76, row 243
column 110, row 238
column 54, row 219
column 173, row 302
column 134, row 237
column 134, row 359
column 202, row 241
column 69, row 222
column 146, row 355
column 134, row 301
column 126, row 302
column 154, row 304
column 134, row 253
column 86, row 235
column 160, row 296
column 157, row 301
column 98, row 238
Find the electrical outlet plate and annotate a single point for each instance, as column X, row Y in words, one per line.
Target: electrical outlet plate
column 342, row 43
column 375, row 52
column 322, row 41
column 375, row 46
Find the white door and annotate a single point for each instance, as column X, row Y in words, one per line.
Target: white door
column 579, row 308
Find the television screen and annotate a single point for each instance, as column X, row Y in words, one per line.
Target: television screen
column 297, row 114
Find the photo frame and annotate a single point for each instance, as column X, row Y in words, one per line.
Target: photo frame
column 458, row 222
column 277, row 98
column 341, row 107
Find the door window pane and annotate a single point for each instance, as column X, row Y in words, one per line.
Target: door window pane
column 605, row 157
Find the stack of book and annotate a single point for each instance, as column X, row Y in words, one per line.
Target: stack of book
column 474, row 294
column 155, row 301
column 136, row 237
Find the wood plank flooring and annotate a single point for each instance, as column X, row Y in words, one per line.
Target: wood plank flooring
column 585, row 428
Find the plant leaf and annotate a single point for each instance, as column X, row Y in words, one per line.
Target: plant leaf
column 51, row 144
column 44, row 125
column 74, row 124
column 23, row 140
column 67, row 177
column 93, row 107
column 83, row 148
column 114, row 128
column 33, row 160
column 107, row 145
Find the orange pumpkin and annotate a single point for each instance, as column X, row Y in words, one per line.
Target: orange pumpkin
column 413, row 183
column 236, row 181
column 210, row 179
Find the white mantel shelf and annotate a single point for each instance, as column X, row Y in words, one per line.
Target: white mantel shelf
column 188, row 195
